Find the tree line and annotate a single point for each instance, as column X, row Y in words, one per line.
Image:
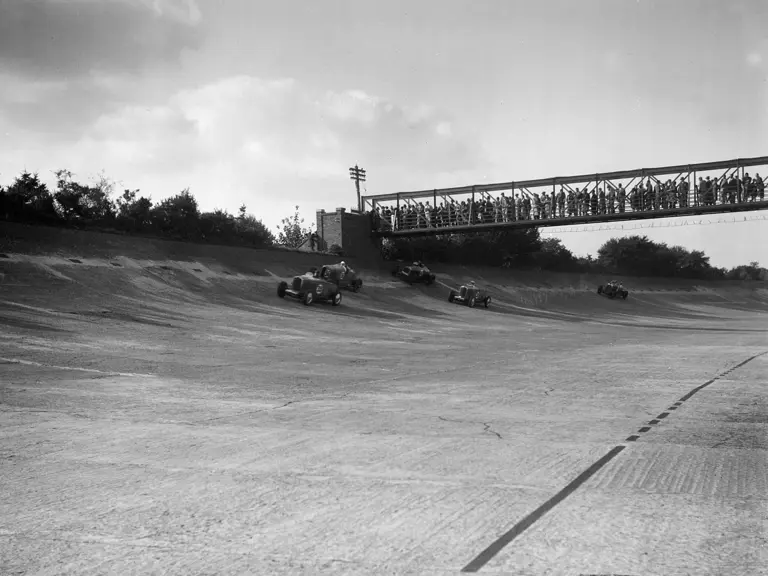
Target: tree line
column 524, row 248
column 97, row 206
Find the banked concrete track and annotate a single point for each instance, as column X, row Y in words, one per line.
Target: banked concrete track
column 163, row 412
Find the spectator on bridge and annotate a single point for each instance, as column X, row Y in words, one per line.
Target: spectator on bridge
column 594, row 202
column 732, row 190
column 760, row 185
column 581, row 201
column 750, row 188
column 570, row 202
column 718, row 189
column 682, row 193
column 621, row 198
column 601, row 201
column 561, row 203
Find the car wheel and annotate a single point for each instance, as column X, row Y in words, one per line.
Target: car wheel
column 281, row 288
column 599, row 289
column 451, row 296
column 308, row 298
column 336, row 299
column 625, row 295
column 471, row 302
column 487, row 301
column 395, row 271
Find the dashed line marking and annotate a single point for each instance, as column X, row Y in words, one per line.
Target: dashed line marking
column 502, row 541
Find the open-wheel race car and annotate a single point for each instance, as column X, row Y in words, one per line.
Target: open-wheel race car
column 415, row 273
column 470, row 295
column 314, row 286
column 347, row 277
column 613, row 290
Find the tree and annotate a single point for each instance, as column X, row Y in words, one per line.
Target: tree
column 553, row 255
column 253, row 231
column 69, row 196
column 292, row 233
column 27, row 198
column 134, row 212
column 178, row 215
column 751, row 271
column 77, row 201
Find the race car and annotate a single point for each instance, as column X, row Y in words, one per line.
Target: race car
column 469, row 294
column 348, row 278
column 316, row 285
column 415, row 273
column 613, row 289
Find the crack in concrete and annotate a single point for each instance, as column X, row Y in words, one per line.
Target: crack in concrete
column 486, row 425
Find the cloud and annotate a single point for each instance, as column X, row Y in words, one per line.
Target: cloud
column 274, row 141
column 73, row 38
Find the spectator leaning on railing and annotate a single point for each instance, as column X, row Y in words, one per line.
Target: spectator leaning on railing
column 649, row 195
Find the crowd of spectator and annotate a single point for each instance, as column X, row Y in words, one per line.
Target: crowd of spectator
column 569, row 203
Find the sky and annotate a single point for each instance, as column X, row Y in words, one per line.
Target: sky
column 268, row 104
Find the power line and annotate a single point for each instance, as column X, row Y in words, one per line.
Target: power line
column 653, row 224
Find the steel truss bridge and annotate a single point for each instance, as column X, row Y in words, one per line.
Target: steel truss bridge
column 728, row 196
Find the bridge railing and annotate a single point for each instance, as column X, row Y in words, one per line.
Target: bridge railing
column 640, row 193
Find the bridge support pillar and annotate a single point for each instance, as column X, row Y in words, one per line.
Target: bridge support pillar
column 349, row 231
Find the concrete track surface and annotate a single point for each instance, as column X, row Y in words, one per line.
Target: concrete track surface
column 163, row 412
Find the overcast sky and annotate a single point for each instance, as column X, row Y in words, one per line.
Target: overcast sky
column 269, row 103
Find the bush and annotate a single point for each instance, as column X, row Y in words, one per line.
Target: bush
column 74, row 204
column 524, row 248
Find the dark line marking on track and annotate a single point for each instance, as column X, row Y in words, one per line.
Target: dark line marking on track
column 4, row 256
column 116, row 264
column 632, row 438
column 692, row 392
column 197, row 269
column 75, row 260
column 654, row 421
column 486, row 555
column 662, row 415
column 672, row 408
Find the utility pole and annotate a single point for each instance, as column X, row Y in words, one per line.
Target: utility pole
column 358, row 175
